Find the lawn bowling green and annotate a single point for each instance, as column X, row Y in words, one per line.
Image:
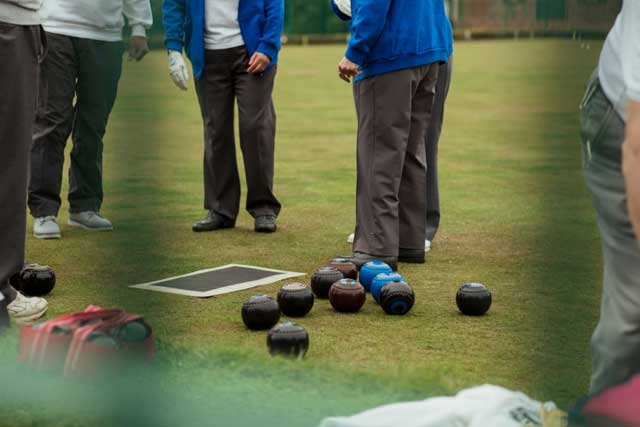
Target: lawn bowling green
column 515, row 216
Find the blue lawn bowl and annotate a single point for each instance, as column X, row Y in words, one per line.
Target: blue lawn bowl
column 382, row 279
column 370, row 270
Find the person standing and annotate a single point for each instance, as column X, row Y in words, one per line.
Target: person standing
column 233, row 46
column 342, row 8
column 394, row 53
column 22, row 49
column 432, row 140
column 85, row 63
column 610, row 115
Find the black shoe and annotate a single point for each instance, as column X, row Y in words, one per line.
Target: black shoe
column 211, row 222
column 412, row 256
column 361, row 258
column 266, row 224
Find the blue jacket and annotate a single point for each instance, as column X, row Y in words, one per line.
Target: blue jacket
column 390, row 35
column 261, row 23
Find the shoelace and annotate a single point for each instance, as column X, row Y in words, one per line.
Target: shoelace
column 41, row 221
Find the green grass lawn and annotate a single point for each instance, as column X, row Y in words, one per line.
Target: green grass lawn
column 516, row 216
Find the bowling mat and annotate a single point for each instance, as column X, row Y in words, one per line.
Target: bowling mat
column 218, row 281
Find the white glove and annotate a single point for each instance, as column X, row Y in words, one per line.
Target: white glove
column 178, row 69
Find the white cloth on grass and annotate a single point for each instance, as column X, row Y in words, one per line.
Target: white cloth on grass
column 100, row 20
column 484, row 406
column 619, row 68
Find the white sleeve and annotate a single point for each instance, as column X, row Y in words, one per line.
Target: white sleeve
column 138, row 12
column 630, row 50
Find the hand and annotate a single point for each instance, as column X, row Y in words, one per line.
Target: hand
column 138, row 48
column 178, row 69
column 631, row 164
column 348, row 69
column 258, row 63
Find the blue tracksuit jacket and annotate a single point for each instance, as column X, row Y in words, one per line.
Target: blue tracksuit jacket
column 390, row 35
column 261, row 23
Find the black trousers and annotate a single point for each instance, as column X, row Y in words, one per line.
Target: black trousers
column 224, row 80
column 21, row 51
column 432, row 140
column 89, row 71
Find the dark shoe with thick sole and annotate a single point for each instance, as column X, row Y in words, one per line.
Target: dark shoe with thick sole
column 361, row 258
column 411, row 256
column 266, row 224
column 212, row 222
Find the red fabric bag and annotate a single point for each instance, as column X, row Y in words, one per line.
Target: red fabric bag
column 67, row 343
column 619, row 405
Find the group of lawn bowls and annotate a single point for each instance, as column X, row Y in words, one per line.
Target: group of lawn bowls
column 346, row 288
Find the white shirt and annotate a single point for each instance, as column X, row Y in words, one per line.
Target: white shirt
column 96, row 19
column 619, row 69
column 222, row 30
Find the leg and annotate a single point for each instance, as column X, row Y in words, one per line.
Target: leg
column 216, row 96
column 432, row 140
column 257, row 137
column 616, row 341
column 52, row 126
column 99, row 65
column 413, row 207
column 383, row 105
column 21, row 50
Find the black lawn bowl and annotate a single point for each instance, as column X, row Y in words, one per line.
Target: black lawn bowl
column 260, row 312
column 35, row 280
column 295, row 300
column 473, row 299
column 322, row 280
column 397, row 298
column 289, row 340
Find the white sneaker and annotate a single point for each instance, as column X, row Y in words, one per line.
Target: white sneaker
column 351, row 237
column 46, row 227
column 90, row 220
column 24, row 309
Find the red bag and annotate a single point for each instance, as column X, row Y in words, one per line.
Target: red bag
column 619, row 405
column 86, row 342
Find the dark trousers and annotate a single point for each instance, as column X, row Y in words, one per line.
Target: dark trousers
column 224, row 80
column 88, row 71
column 21, row 50
column 433, row 137
column 393, row 112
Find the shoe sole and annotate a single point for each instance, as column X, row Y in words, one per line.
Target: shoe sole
column 265, row 229
column 30, row 319
column 84, row 227
column 413, row 259
column 206, row 230
column 47, row 236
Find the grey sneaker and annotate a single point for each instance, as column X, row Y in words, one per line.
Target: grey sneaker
column 90, row 220
column 46, row 227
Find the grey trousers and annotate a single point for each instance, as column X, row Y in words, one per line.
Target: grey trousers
column 88, row 70
column 393, row 112
column 21, row 50
column 224, row 80
column 616, row 341
column 432, row 140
